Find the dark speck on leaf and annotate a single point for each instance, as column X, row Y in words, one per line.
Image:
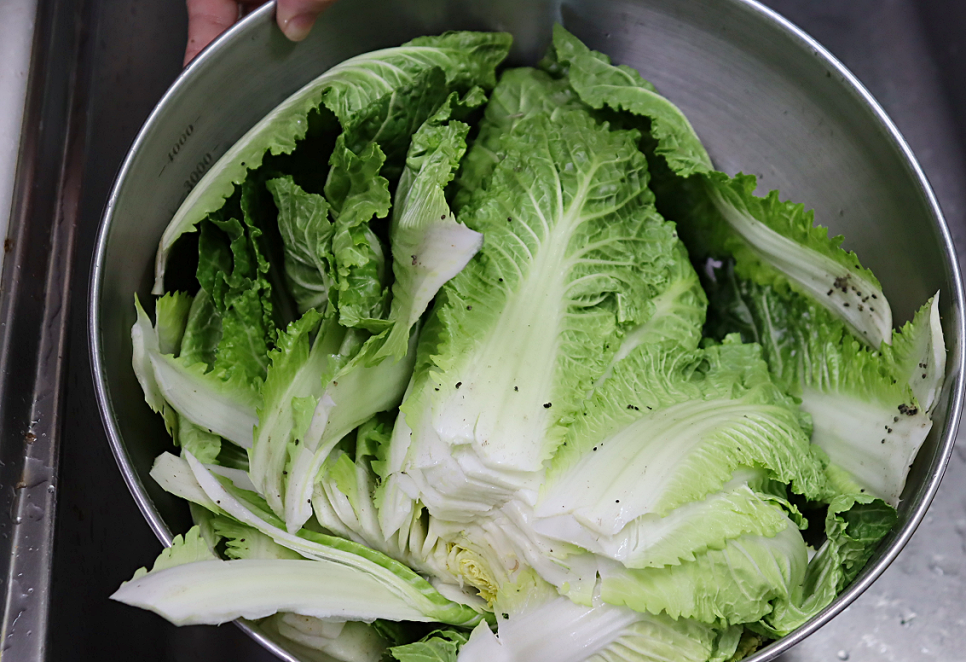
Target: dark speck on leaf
column 516, row 388
column 443, row 217
column 458, row 384
column 829, row 293
column 923, row 375
column 842, row 283
column 906, row 410
column 508, row 219
column 595, row 448
column 846, row 304
column 506, row 617
column 414, row 259
column 882, row 442
column 437, row 388
column 547, row 405
column 895, row 419
column 633, row 407
column 469, row 307
column 501, row 280
column 874, row 296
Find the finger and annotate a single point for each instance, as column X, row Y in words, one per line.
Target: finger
column 206, row 20
column 296, row 17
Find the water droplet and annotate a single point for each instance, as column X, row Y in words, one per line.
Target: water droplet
column 843, row 655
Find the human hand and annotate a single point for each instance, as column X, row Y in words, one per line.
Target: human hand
column 209, row 18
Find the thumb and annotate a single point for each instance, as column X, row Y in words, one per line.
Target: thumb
column 296, row 17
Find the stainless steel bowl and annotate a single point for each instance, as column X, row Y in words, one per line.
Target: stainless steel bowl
column 764, row 97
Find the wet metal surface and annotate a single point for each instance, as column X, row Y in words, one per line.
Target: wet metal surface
column 38, row 250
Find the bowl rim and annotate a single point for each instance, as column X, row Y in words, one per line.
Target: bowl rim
column 956, row 361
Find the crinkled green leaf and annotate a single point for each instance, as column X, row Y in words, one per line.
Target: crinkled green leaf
column 574, row 251
column 863, row 410
column 171, row 312
column 303, row 220
column 189, row 548
column 599, row 83
column 438, row 646
column 429, row 246
column 733, row 585
column 245, row 542
column 774, row 242
column 358, row 194
column 202, row 331
column 466, row 59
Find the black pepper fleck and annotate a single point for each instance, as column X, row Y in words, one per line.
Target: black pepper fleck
column 907, row 410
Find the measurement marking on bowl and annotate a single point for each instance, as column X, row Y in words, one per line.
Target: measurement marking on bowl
column 173, row 152
column 199, row 170
column 179, row 144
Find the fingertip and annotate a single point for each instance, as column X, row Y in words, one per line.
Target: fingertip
column 296, row 17
column 298, row 27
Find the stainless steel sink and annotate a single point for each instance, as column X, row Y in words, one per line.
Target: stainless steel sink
column 97, row 69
